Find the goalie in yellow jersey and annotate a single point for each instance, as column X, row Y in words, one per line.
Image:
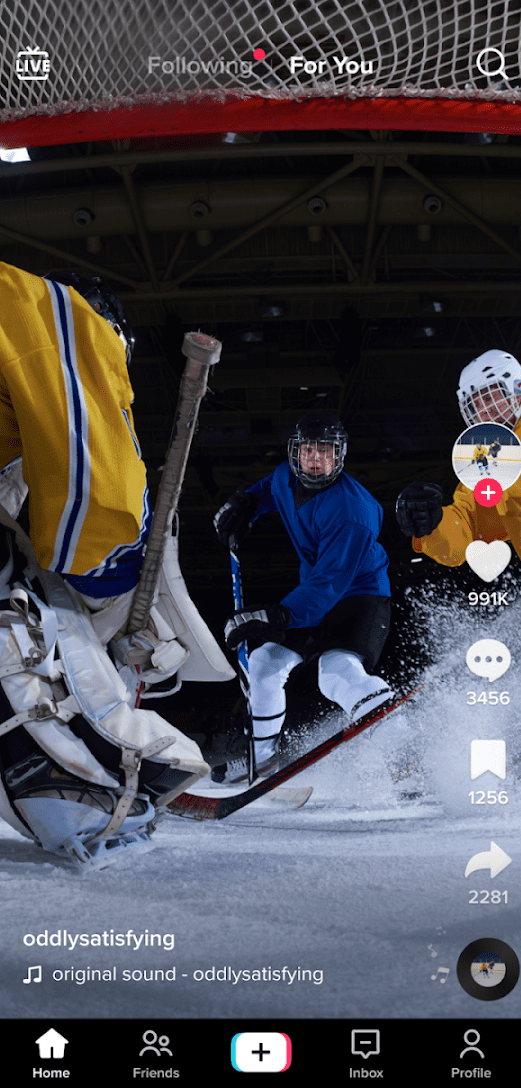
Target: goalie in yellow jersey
column 480, row 459
column 489, row 392
column 66, row 428
column 83, row 769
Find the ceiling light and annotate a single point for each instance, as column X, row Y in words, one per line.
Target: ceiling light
column 433, row 306
column 272, row 309
column 425, row 331
column 252, row 336
column 432, row 204
column 14, row 154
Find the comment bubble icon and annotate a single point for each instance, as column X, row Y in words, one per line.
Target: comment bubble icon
column 365, row 1041
column 488, row 658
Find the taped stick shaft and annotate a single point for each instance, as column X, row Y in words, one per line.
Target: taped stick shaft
column 202, row 352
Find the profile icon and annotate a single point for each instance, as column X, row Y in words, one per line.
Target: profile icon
column 487, row 451
column 471, row 1043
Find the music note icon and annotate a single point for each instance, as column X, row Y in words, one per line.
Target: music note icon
column 441, row 970
column 36, row 977
column 433, row 953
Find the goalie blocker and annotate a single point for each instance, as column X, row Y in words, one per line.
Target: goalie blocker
column 83, row 772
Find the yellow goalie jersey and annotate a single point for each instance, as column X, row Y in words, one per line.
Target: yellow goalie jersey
column 65, row 407
column 465, row 520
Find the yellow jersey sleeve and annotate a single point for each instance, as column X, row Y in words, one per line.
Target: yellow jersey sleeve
column 65, row 405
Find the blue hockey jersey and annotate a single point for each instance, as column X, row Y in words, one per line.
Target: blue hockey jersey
column 335, row 536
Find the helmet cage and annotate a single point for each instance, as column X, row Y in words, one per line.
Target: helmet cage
column 333, row 449
column 504, row 406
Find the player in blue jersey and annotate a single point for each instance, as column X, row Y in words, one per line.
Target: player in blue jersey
column 340, row 610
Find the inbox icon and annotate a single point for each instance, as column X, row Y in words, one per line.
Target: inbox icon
column 365, row 1041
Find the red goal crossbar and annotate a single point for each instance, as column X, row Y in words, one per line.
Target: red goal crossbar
column 262, row 114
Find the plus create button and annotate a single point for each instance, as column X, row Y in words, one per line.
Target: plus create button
column 488, row 492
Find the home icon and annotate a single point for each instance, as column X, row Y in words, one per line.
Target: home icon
column 51, row 1044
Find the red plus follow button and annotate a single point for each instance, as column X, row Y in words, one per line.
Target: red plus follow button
column 488, row 492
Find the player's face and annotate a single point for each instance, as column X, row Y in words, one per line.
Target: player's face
column 491, row 406
column 317, row 458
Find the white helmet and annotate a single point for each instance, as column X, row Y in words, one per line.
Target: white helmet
column 490, row 389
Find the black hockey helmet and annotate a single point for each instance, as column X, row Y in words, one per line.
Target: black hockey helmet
column 98, row 295
column 318, row 431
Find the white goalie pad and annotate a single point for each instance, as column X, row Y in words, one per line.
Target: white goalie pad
column 13, row 488
column 32, row 677
column 53, row 668
column 173, row 609
column 101, row 694
column 180, row 643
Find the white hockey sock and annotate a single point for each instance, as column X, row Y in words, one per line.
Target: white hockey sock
column 269, row 668
column 343, row 679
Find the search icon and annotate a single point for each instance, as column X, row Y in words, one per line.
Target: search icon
column 498, row 71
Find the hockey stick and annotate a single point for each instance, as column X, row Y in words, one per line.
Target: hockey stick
column 201, row 353
column 242, row 657
column 217, row 808
column 293, row 798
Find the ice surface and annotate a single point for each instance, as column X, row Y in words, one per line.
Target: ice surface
column 365, row 893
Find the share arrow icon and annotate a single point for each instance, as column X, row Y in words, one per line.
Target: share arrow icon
column 494, row 859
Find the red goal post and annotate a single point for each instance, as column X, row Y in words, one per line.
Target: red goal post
column 74, row 70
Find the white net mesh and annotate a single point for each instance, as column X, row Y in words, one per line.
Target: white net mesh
column 64, row 55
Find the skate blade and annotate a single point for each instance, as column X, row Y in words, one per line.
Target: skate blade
column 85, row 857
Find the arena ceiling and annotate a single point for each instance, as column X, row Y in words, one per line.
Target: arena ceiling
column 351, row 270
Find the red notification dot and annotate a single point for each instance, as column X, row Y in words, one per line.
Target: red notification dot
column 258, row 54
column 488, row 492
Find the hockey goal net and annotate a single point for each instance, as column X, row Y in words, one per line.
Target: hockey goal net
column 83, row 70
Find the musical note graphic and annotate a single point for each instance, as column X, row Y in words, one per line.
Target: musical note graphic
column 37, row 977
column 441, row 970
column 433, row 953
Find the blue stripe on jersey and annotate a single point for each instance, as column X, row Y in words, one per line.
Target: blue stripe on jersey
column 121, row 569
column 132, row 435
column 78, row 497
column 128, row 552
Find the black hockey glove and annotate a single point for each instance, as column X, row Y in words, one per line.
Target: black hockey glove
column 418, row 509
column 264, row 624
column 235, row 517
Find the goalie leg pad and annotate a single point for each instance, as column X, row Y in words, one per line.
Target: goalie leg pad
column 150, row 761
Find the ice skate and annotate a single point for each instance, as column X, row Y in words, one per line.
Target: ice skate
column 368, row 695
column 67, row 816
column 235, row 771
column 344, row 680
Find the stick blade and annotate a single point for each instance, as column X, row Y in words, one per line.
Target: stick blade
column 198, row 807
column 289, row 798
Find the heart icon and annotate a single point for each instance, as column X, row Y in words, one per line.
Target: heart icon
column 488, row 560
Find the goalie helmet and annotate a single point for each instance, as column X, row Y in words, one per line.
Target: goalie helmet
column 316, row 450
column 100, row 297
column 490, row 389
